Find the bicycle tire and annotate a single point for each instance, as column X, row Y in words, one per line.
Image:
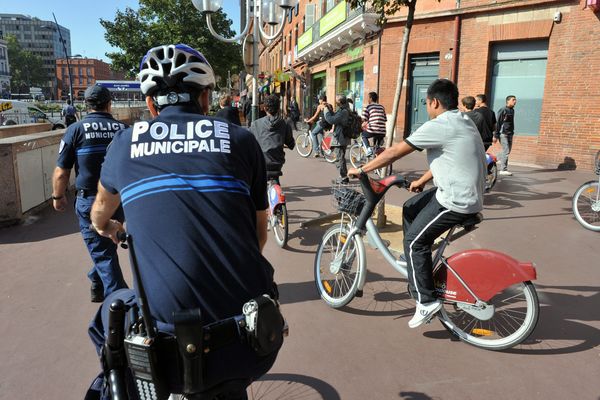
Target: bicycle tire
column 304, row 144
column 586, row 205
column 330, row 155
column 280, row 225
column 506, row 328
column 357, row 155
column 338, row 288
column 491, row 177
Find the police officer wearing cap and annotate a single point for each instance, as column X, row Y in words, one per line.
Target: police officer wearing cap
column 83, row 147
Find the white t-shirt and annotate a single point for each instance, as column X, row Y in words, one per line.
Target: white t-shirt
column 456, row 158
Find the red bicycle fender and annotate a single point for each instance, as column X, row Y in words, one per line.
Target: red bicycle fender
column 486, row 272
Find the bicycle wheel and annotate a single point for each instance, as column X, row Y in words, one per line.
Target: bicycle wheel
column 515, row 315
column 586, row 205
column 280, row 225
column 330, row 155
column 358, row 157
column 491, row 177
column 337, row 282
column 304, row 144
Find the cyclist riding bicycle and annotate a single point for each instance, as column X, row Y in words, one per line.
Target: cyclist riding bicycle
column 320, row 126
column 272, row 133
column 457, row 166
column 374, row 120
column 194, row 193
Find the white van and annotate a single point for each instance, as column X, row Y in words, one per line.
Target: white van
column 14, row 112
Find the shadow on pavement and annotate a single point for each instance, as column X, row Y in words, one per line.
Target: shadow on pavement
column 43, row 225
column 513, row 191
column 414, row 396
column 297, row 292
column 291, row 386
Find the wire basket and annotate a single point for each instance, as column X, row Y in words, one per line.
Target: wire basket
column 347, row 198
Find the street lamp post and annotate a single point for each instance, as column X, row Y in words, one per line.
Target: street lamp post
column 272, row 12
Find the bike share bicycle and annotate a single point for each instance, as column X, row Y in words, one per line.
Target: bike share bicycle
column 488, row 298
column 278, row 216
column 361, row 154
column 586, row 201
column 139, row 360
column 304, row 145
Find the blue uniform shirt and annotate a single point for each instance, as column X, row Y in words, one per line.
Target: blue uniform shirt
column 190, row 187
column 84, row 146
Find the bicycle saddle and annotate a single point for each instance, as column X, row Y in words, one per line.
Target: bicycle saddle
column 470, row 223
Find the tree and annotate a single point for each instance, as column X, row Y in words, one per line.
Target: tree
column 159, row 22
column 26, row 68
column 386, row 8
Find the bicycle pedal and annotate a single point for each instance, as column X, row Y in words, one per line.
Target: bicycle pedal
column 359, row 293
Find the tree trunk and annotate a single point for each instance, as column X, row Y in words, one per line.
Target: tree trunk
column 381, row 218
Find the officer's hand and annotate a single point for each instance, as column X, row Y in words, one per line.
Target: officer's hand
column 60, row 204
column 110, row 230
column 416, row 187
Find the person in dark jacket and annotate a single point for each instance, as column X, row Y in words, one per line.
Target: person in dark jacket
column 340, row 120
column 293, row 112
column 468, row 103
column 272, row 133
column 505, row 130
column 227, row 111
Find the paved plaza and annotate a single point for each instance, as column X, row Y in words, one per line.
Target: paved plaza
column 362, row 351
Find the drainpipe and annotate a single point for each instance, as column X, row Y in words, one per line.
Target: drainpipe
column 379, row 61
column 456, row 45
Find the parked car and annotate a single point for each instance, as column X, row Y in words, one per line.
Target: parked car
column 14, row 112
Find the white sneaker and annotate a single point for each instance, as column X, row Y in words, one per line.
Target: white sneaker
column 424, row 312
column 505, row 173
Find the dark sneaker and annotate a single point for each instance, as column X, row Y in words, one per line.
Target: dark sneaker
column 97, row 293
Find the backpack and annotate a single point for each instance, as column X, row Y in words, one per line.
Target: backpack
column 354, row 127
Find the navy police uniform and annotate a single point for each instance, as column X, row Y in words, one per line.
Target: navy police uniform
column 190, row 186
column 84, row 146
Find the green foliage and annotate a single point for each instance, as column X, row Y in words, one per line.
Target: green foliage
column 381, row 7
column 26, row 68
column 49, row 107
column 159, row 22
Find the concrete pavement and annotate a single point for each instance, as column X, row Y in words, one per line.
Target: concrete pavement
column 363, row 351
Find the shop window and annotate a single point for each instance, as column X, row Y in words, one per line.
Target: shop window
column 519, row 69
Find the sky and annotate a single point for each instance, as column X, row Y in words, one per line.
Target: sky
column 82, row 18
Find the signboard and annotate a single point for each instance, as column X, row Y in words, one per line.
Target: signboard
column 354, row 52
column 305, row 39
column 333, row 18
column 127, row 86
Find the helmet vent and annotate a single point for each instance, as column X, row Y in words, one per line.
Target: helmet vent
column 180, row 60
column 198, row 71
column 160, row 54
column 170, row 52
column 153, row 63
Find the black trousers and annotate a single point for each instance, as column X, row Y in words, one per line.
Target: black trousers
column 341, row 160
column 424, row 220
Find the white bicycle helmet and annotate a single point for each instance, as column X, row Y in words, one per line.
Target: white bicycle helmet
column 166, row 67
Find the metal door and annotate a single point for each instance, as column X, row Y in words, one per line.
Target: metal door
column 423, row 71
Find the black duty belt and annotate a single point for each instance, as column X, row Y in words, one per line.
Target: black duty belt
column 86, row 192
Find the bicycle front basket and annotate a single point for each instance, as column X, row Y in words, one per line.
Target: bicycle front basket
column 347, row 199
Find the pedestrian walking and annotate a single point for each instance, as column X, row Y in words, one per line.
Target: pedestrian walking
column 340, row 120
column 228, row 112
column 468, row 103
column 489, row 118
column 294, row 112
column 69, row 113
column 84, row 146
column 505, row 132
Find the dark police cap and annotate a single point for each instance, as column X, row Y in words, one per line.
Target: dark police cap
column 97, row 94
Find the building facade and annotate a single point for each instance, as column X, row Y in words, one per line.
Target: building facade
column 41, row 38
column 84, row 72
column 541, row 51
column 4, row 69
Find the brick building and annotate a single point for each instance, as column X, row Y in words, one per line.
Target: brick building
column 542, row 51
column 84, row 72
